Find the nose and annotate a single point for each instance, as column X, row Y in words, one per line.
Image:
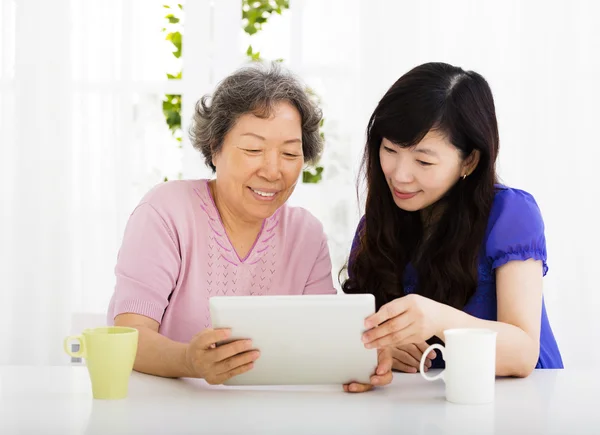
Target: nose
column 403, row 172
column 270, row 168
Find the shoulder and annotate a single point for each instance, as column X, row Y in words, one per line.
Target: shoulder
column 300, row 225
column 175, row 202
column 515, row 228
column 515, row 203
column 176, row 192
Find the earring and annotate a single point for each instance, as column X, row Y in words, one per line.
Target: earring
column 464, row 176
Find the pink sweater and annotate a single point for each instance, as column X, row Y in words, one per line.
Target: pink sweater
column 175, row 255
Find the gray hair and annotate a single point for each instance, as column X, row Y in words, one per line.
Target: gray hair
column 253, row 89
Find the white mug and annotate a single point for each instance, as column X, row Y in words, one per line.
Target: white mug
column 470, row 373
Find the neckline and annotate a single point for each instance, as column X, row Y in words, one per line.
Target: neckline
column 262, row 227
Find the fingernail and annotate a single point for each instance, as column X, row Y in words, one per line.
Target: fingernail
column 375, row 381
column 368, row 345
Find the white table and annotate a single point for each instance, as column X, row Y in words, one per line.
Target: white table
column 58, row 400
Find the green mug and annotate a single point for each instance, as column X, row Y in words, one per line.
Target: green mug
column 109, row 352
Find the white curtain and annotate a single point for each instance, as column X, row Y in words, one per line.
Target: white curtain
column 82, row 137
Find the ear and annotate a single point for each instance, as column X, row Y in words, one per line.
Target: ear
column 471, row 162
column 214, row 156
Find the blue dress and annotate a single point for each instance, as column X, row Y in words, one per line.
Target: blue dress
column 515, row 231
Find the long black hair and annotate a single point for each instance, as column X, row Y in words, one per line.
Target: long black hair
column 460, row 105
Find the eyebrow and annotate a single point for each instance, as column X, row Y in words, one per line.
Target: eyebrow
column 426, row 151
column 262, row 138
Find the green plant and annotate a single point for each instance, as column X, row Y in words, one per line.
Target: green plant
column 255, row 14
column 171, row 104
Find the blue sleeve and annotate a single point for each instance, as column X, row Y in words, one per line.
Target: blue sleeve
column 515, row 230
column 355, row 245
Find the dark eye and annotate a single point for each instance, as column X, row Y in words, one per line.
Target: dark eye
column 252, row 151
column 389, row 150
column 291, row 155
column 422, row 163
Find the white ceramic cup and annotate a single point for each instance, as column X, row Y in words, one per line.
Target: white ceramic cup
column 470, row 373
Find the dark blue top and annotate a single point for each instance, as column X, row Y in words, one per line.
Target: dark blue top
column 515, row 231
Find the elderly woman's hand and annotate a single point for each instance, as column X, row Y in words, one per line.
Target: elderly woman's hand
column 218, row 364
column 382, row 376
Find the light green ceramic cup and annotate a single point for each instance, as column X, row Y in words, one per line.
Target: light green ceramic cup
column 109, row 353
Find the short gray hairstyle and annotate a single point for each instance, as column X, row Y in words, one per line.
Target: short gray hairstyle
column 255, row 89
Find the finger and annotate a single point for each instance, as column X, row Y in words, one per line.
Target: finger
column 423, row 347
column 400, row 366
column 221, row 353
column 235, row 372
column 398, row 338
column 234, row 362
column 414, row 351
column 380, row 380
column 385, row 361
column 357, row 388
column 390, row 327
column 407, row 358
column 388, row 311
column 209, row 337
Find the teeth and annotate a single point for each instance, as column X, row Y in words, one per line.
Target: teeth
column 268, row 195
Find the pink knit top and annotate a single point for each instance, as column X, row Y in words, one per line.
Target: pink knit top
column 176, row 254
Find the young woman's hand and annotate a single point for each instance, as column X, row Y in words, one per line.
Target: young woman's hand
column 407, row 357
column 406, row 320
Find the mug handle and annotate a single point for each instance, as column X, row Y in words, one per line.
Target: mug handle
column 81, row 352
column 424, row 357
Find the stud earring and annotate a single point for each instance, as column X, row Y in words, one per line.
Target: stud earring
column 464, row 176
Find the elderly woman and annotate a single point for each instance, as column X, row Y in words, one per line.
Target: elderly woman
column 232, row 235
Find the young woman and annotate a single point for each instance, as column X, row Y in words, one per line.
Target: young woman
column 442, row 245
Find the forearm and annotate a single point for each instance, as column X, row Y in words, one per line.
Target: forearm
column 516, row 352
column 158, row 355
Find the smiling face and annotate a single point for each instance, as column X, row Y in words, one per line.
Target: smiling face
column 419, row 176
column 260, row 162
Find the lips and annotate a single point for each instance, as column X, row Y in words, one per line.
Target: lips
column 264, row 194
column 404, row 195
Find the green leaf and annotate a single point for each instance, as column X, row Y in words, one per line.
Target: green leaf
column 180, row 6
column 310, row 176
column 176, row 40
column 166, row 6
column 172, row 19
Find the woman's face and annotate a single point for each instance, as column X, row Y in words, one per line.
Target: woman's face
column 260, row 162
column 419, row 176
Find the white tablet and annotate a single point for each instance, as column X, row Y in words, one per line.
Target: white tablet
column 302, row 339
